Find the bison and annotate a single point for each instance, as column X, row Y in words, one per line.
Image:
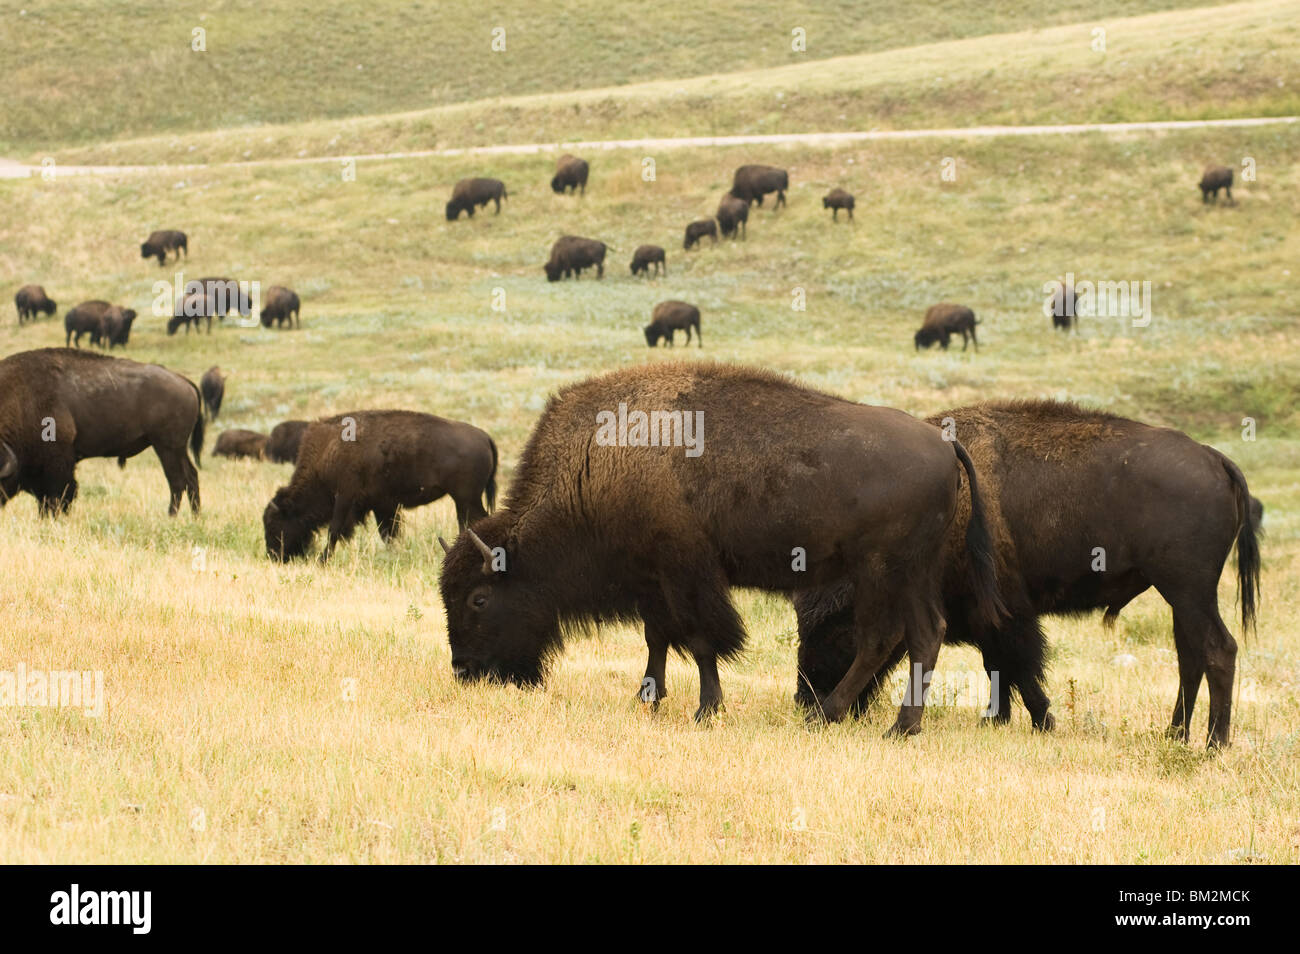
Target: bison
column 86, row 319
column 469, row 194
column 115, row 328
column 1212, row 180
column 1087, row 511
column 58, row 407
column 571, row 254
column 238, row 442
column 838, row 199
column 213, row 388
column 159, row 243
column 32, row 299
column 570, row 173
column 282, row 445
column 1062, row 307
column 206, row 298
column 647, row 255
column 733, row 216
column 668, row 317
column 380, row 462
column 618, row 514
column 751, row 183
column 281, row 307
column 943, row 321
column 697, row 230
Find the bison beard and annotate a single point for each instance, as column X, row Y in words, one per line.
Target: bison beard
column 1047, row 464
column 594, row 532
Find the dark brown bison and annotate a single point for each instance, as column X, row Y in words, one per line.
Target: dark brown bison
column 205, row 298
column 115, row 328
column 86, row 319
column 213, row 388
column 1213, row 179
column 751, row 183
column 286, row 437
column 59, row 406
column 281, row 307
column 944, row 320
column 1087, row 511
column 733, row 216
column 570, row 173
column 32, row 299
column 622, row 510
column 838, row 199
column 1061, row 306
column 470, row 194
column 697, row 230
column 571, row 254
column 238, row 442
column 647, row 255
column 159, row 243
column 668, row 317
column 380, row 462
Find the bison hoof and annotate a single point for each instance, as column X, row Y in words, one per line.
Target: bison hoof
column 707, row 710
column 900, row 731
column 1046, row 724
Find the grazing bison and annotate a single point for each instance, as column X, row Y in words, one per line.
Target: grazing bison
column 647, row 255
column 944, row 320
column 1213, row 179
column 208, row 297
column 85, row 319
column 115, row 328
column 1087, row 511
column 213, row 388
column 570, row 173
column 469, row 194
column 632, row 514
column 838, row 199
column 59, row 406
column 32, row 299
column 159, row 243
column 1061, row 306
column 286, row 437
column 378, row 461
column 238, row 442
column 751, row 183
column 281, row 307
column 733, row 216
column 697, row 230
column 571, row 254
column 667, row 317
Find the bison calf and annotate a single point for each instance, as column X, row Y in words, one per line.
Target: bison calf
column 281, row 308
column 838, row 199
column 378, row 462
column 159, row 243
column 570, row 173
column 571, row 254
column 1212, row 180
column 697, row 230
column 286, row 437
column 944, row 320
column 667, row 317
column 240, row 443
column 32, row 299
column 470, row 194
column 647, row 255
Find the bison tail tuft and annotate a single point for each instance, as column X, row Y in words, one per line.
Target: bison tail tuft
column 979, row 549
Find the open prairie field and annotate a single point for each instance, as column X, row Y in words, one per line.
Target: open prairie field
column 260, row 712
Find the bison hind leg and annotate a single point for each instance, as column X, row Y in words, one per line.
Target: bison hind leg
column 389, row 522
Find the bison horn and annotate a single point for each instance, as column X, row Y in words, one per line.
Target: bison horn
column 8, row 461
column 445, row 548
column 483, row 548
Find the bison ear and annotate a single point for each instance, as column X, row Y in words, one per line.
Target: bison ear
column 445, row 548
column 8, row 461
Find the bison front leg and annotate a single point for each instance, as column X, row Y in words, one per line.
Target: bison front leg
column 342, row 524
column 654, row 685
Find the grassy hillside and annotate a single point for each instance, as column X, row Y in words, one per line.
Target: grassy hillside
column 79, row 71
column 230, row 680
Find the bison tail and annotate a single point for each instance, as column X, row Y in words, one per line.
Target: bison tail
column 1247, row 546
column 196, row 435
column 982, row 566
column 490, row 491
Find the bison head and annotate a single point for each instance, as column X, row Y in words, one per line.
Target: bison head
column 49, row 307
column 174, row 323
column 288, row 533
column 924, row 338
column 651, row 335
column 556, row 185
column 553, row 271
column 501, row 625
column 146, row 250
column 453, row 210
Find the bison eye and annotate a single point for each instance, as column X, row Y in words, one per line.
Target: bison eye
column 478, row 599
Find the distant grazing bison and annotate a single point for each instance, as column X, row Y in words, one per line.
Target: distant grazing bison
column 1062, row 307
column 238, row 442
column 280, row 308
column 751, row 183
column 1213, row 179
column 32, row 299
column 116, row 326
column 105, row 324
column 570, row 173
column 470, row 194
column 286, row 437
column 380, row 462
column 838, row 199
column 213, row 388
column 160, row 243
column 701, row 478
column 733, row 216
column 697, row 230
column 1087, row 511
column 647, row 255
column 58, row 407
column 944, row 320
column 668, row 317
column 571, row 254
column 205, row 298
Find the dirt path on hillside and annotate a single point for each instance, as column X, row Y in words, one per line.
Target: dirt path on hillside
column 10, row 169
